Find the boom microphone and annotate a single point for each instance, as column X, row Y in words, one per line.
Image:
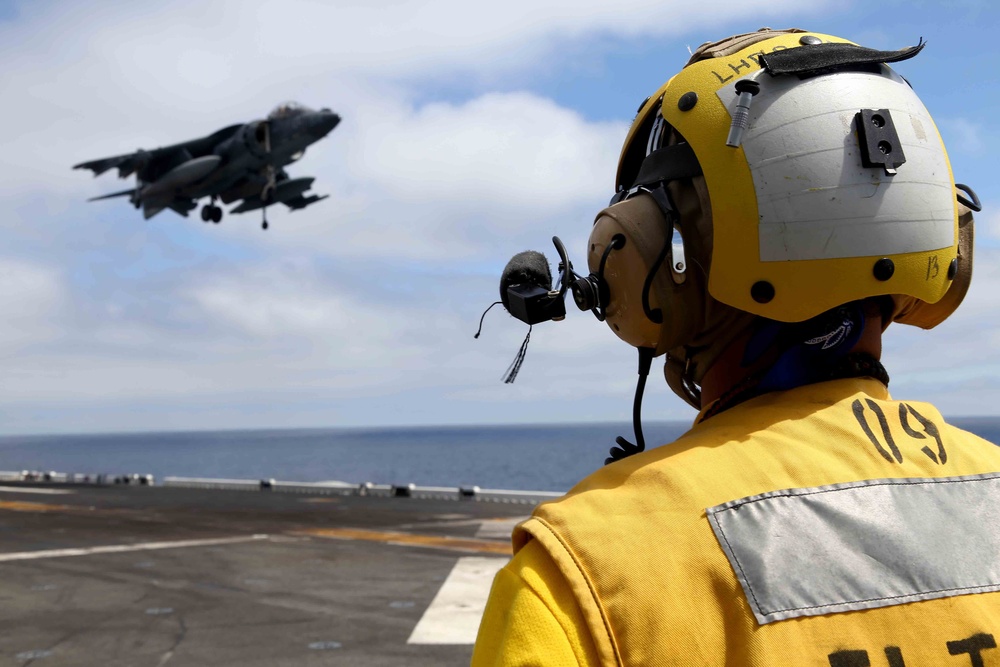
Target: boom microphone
column 526, row 289
column 529, row 267
column 526, row 292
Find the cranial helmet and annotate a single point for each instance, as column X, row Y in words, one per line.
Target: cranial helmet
column 779, row 175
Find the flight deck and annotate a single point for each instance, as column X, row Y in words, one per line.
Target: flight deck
column 119, row 574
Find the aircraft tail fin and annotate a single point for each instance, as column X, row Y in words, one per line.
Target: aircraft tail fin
column 301, row 202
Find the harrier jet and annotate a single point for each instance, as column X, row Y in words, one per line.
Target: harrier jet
column 240, row 162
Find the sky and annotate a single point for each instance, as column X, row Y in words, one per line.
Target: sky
column 470, row 132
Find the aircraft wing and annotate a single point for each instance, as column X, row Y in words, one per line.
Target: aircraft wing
column 182, row 206
column 159, row 160
column 290, row 192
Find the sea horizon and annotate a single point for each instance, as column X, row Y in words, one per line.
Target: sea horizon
column 528, row 456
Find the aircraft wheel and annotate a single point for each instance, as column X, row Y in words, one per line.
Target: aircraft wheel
column 206, row 212
column 216, row 214
column 263, row 225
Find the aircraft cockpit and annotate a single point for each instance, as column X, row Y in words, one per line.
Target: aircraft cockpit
column 288, row 110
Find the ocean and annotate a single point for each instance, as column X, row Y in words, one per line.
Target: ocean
column 530, row 457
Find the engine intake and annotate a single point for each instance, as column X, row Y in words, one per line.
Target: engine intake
column 254, row 138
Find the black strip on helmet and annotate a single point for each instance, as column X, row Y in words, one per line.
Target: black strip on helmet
column 668, row 164
column 820, row 58
column 635, row 152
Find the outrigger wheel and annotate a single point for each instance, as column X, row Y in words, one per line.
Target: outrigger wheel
column 267, row 196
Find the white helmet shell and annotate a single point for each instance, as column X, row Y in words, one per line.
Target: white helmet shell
column 815, row 198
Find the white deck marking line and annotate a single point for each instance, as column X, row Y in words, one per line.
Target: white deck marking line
column 124, row 548
column 498, row 529
column 31, row 489
column 454, row 614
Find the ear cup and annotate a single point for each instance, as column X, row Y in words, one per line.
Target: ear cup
column 913, row 311
column 646, row 232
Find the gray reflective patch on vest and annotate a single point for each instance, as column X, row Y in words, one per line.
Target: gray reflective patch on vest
column 862, row 545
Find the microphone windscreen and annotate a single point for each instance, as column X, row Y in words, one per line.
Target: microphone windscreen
column 528, row 267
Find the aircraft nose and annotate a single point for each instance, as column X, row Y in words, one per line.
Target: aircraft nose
column 323, row 122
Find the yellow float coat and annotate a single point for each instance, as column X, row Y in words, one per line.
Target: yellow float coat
column 626, row 569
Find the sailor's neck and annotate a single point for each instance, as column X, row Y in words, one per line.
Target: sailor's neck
column 728, row 371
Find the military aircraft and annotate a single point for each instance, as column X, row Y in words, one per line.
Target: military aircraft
column 243, row 161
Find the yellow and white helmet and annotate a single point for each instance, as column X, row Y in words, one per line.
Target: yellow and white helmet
column 820, row 177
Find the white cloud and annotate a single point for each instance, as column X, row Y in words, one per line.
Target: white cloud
column 513, row 150
column 30, row 296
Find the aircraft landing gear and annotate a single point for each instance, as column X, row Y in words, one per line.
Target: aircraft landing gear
column 267, row 194
column 263, row 209
column 210, row 212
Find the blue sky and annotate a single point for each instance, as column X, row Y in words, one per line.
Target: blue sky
column 469, row 133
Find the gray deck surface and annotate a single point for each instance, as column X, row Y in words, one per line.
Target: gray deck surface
column 290, row 596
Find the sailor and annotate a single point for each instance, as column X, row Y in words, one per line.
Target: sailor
column 780, row 202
